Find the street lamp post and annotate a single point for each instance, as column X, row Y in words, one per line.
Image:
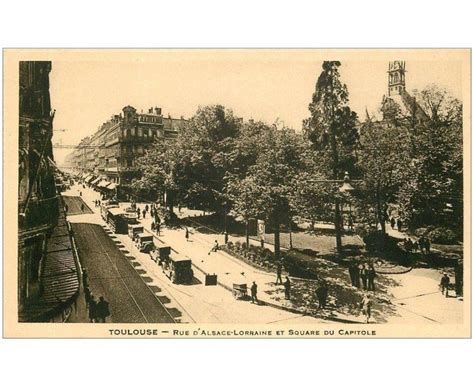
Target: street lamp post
column 226, row 233
column 346, row 187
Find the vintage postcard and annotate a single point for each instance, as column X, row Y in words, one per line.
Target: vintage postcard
column 237, row 193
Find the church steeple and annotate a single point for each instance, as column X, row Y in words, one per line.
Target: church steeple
column 396, row 77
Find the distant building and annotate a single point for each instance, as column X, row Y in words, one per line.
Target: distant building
column 398, row 102
column 111, row 153
column 48, row 282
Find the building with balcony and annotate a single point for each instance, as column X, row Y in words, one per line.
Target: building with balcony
column 48, row 279
column 111, row 153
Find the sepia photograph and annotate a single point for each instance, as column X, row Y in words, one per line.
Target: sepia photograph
column 230, row 193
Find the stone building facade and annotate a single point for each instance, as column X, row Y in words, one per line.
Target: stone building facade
column 111, row 153
column 46, row 291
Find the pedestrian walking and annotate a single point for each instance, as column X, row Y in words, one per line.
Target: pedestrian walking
column 322, row 293
column 279, row 269
column 92, row 309
column 82, row 207
column 186, row 234
column 371, row 275
column 351, row 222
column 85, row 277
column 253, row 292
column 364, row 275
column 444, row 284
column 153, row 227
column 415, row 246
column 399, row 224
column 87, row 295
column 366, row 307
column 102, row 310
column 80, row 193
column 392, row 222
column 157, row 227
column 214, row 248
column 421, row 244
column 287, row 286
column 427, row 245
column 144, row 213
column 146, row 208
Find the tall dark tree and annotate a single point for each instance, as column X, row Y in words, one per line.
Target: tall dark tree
column 332, row 130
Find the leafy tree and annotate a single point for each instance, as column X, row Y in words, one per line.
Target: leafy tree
column 265, row 191
column 157, row 173
column 203, row 156
column 332, row 129
column 384, row 156
column 433, row 192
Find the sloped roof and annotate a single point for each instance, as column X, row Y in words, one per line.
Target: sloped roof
column 408, row 105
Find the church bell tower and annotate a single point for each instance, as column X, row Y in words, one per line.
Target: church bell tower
column 396, row 77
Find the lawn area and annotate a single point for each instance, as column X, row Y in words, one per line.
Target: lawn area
column 322, row 244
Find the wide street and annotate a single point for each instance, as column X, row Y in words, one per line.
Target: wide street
column 138, row 290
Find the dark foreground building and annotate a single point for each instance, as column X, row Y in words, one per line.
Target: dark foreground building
column 48, row 271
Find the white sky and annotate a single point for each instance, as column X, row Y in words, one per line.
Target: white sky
column 260, row 84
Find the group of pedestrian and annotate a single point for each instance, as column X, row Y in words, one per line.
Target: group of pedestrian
column 397, row 222
column 98, row 310
column 97, row 203
column 362, row 275
column 423, row 245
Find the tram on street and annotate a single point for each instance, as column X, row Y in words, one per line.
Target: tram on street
column 119, row 220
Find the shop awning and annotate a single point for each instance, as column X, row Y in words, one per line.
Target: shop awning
column 112, row 186
column 103, row 184
column 95, row 181
column 88, row 180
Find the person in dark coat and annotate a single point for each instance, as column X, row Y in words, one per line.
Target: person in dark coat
column 352, row 272
column 87, row 295
column 186, row 234
column 253, row 292
column 287, row 286
column 392, row 222
column 363, row 275
column 92, row 309
column 427, row 245
column 322, row 294
column 399, row 224
column 421, row 244
column 102, row 310
column 279, row 269
column 357, row 269
column 444, row 284
column 371, row 275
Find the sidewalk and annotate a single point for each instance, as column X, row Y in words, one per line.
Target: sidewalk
column 198, row 303
column 230, row 270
